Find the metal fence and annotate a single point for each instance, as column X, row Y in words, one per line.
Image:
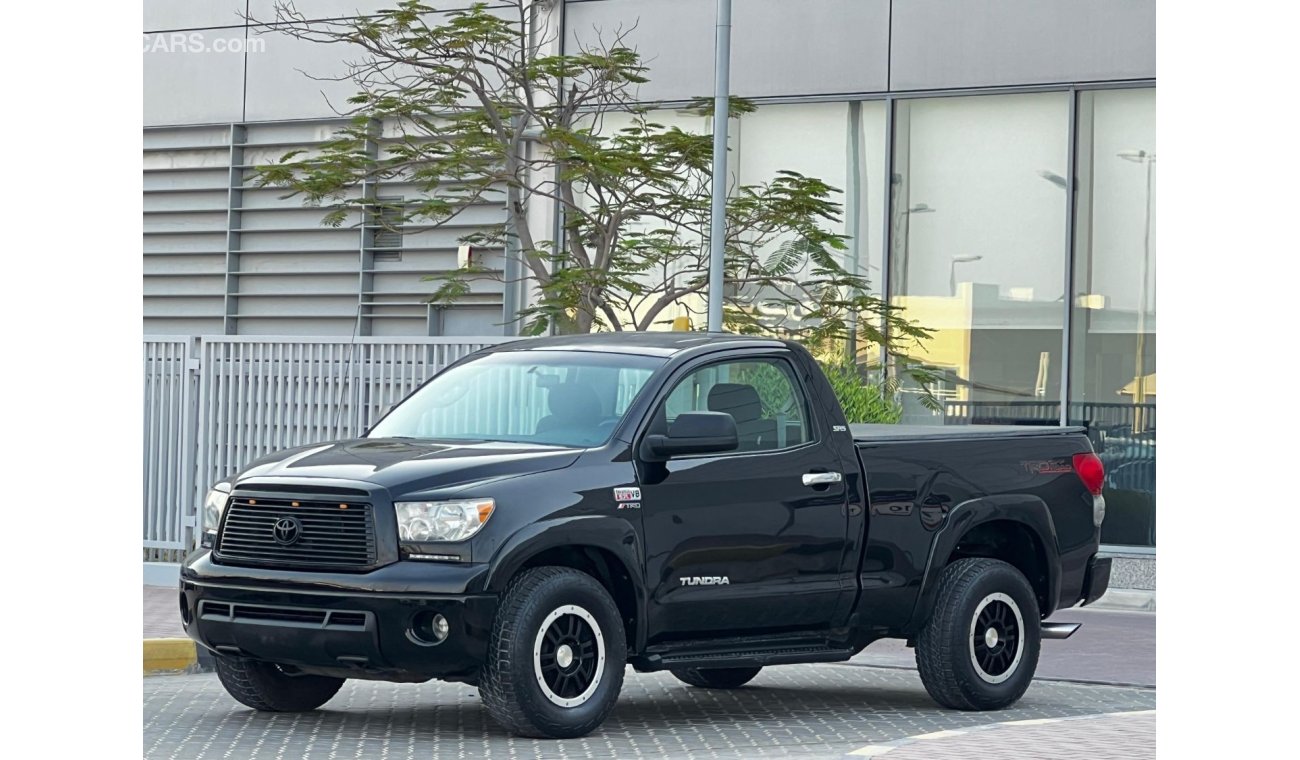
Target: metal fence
column 170, row 391
column 216, row 403
column 1110, row 417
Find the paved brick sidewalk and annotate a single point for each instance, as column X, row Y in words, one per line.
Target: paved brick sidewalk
column 1124, row 736
column 801, row 711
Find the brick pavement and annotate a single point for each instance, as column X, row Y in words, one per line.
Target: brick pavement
column 808, row 711
column 801, row 711
column 1122, row 736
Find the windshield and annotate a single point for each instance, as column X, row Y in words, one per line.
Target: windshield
column 563, row 398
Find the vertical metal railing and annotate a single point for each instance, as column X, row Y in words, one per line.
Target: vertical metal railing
column 169, row 395
column 216, row 403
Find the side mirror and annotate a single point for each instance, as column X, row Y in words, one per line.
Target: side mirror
column 693, row 433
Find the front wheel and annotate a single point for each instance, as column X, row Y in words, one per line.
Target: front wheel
column 716, row 678
column 979, row 649
column 264, row 686
column 556, row 655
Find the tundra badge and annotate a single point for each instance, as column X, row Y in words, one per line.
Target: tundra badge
column 705, row 580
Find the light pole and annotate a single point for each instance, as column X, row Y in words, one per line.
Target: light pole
column 952, row 270
column 920, row 208
column 1139, row 380
column 718, row 210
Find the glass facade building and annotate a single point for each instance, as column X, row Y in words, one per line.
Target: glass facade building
column 960, row 210
column 997, row 161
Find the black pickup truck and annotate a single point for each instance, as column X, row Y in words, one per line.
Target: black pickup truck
column 541, row 514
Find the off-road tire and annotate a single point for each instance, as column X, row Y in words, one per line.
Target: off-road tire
column 716, row 678
column 509, row 680
column 945, row 647
column 263, row 686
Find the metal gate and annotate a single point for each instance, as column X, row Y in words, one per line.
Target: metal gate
column 215, row 403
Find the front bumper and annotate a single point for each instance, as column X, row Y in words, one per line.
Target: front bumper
column 354, row 626
column 1096, row 580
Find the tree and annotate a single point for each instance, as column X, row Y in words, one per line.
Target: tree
column 479, row 109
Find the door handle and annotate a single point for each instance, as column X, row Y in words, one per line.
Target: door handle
column 821, row 478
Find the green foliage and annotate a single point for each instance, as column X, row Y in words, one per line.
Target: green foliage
column 863, row 401
column 772, row 385
column 472, row 110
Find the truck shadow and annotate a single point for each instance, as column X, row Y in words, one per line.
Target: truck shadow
column 851, row 705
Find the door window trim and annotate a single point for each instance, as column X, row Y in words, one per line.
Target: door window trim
column 810, row 410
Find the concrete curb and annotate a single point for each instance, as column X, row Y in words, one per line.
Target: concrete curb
column 884, row 748
column 165, row 574
column 174, row 657
column 1133, row 600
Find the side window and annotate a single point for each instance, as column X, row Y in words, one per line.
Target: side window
column 760, row 394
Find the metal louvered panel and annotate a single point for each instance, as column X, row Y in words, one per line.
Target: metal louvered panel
column 387, row 232
column 224, row 255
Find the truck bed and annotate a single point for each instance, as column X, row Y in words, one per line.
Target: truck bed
column 878, row 433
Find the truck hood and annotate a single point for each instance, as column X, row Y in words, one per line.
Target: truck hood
column 405, row 466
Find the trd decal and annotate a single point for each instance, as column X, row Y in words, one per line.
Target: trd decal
column 705, row 580
column 894, row 508
column 629, row 505
column 627, row 494
column 1047, row 466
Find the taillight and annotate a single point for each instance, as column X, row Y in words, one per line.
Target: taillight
column 1091, row 471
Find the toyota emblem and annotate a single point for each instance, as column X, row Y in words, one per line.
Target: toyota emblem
column 287, row 531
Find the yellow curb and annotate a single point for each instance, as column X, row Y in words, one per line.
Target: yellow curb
column 163, row 655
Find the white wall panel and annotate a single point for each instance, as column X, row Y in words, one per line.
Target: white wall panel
column 168, row 15
column 186, row 81
column 976, row 43
column 278, row 83
column 778, row 47
column 264, row 10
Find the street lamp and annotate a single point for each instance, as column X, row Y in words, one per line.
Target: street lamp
column 952, row 270
column 906, row 215
column 1139, row 384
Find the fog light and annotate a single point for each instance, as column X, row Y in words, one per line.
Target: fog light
column 429, row 628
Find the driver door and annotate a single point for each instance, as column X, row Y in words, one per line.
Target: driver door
column 730, row 535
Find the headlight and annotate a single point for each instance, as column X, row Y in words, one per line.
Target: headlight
column 213, row 505
column 442, row 520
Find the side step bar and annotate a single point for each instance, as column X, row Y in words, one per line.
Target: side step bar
column 1059, row 630
column 747, row 658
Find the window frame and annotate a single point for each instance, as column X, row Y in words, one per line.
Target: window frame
column 676, row 378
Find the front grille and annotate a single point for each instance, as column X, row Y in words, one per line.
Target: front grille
column 328, row 535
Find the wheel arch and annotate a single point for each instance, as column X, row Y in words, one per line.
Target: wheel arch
column 1017, row 529
column 605, row 548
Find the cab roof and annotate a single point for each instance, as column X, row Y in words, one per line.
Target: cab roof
column 661, row 343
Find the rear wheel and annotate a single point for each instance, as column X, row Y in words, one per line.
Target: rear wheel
column 716, row 678
column 556, row 655
column 265, row 686
column 979, row 649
